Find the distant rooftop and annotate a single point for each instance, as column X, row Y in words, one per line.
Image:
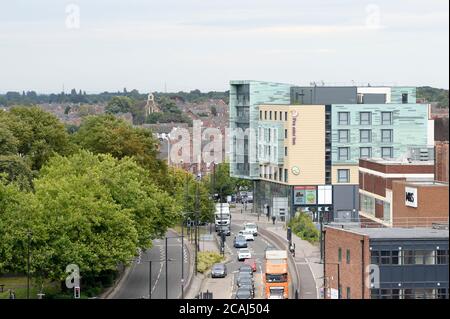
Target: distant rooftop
column 383, row 161
column 399, row 233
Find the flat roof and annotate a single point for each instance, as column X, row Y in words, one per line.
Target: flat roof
column 399, row 233
column 396, row 162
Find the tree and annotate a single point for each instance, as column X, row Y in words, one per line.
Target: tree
column 183, row 187
column 8, row 143
column 119, row 104
column 90, row 210
column 17, row 171
column 108, row 135
column 40, row 135
column 213, row 110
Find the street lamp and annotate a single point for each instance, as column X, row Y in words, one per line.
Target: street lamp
column 29, row 234
column 150, row 275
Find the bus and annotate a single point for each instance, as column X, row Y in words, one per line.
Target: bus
column 276, row 278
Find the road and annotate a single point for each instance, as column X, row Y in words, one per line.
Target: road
column 225, row 288
column 136, row 284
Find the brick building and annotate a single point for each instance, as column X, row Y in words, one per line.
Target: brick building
column 401, row 194
column 404, row 263
column 441, row 155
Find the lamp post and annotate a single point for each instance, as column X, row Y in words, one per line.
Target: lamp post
column 166, row 260
column 28, row 263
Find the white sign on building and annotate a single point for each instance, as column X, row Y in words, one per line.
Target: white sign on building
column 411, row 197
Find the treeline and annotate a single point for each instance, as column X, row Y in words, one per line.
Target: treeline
column 430, row 94
column 92, row 197
column 79, row 96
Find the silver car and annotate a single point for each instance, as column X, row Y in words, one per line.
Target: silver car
column 219, row 271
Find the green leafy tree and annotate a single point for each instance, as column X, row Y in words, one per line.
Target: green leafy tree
column 119, row 104
column 40, row 135
column 303, row 226
column 17, row 171
column 90, row 210
column 108, row 135
column 183, row 187
column 223, row 184
column 8, row 143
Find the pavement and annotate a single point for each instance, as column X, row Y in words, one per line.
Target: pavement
column 307, row 255
column 135, row 284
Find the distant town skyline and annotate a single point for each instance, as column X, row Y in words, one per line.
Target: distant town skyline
column 182, row 45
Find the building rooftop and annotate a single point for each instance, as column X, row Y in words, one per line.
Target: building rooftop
column 383, row 161
column 399, row 233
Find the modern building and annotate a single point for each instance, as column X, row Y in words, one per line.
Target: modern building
column 303, row 144
column 385, row 263
column 401, row 194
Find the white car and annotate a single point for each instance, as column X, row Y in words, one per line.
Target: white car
column 244, row 253
column 247, row 234
column 251, row 227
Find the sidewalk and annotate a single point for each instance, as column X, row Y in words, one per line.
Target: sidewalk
column 307, row 256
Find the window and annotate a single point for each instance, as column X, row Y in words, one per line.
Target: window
column 270, row 115
column 387, row 152
column 275, row 113
column 340, row 254
column 442, row 257
column 365, row 118
column 386, row 118
column 375, row 257
column 344, row 118
column 281, row 116
column 285, row 133
column 343, row 153
column 285, row 151
column 405, row 98
column 280, row 174
column 343, row 176
column 285, row 175
column 348, row 256
column 386, row 136
column 285, row 116
column 365, row 152
column 343, row 136
column 365, row 136
column 348, row 293
column 260, row 115
column 265, row 115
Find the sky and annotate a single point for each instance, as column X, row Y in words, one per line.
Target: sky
column 182, row 45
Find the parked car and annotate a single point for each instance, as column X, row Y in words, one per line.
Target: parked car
column 246, row 268
column 251, row 263
column 244, row 293
column 240, row 242
column 219, row 271
column 248, row 235
column 251, row 227
column 244, row 253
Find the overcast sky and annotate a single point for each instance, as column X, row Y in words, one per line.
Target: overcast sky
column 98, row 45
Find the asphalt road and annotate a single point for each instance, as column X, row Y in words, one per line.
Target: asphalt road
column 136, row 284
column 257, row 248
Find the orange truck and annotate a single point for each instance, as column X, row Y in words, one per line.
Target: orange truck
column 276, row 278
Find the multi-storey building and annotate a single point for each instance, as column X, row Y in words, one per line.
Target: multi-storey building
column 303, row 144
column 401, row 194
column 385, row 263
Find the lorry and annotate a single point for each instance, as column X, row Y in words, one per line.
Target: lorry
column 222, row 216
column 276, row 277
